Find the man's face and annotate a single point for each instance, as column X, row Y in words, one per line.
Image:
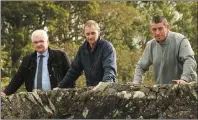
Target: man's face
column 91, row 34
column 40, row 44
column 159, row 31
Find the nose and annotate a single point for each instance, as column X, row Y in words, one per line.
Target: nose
column 38, row 44
column 157, row 32
column 90, row 36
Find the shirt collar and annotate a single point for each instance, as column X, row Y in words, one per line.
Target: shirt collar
column 44, row 54
column 166, row 40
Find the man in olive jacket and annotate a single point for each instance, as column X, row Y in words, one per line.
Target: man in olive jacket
column 95, row 56
column 55, row 65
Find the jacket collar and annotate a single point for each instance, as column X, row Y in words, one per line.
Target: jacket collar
column 34, row 54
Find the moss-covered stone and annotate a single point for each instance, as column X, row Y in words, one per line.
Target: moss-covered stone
column 105, row 101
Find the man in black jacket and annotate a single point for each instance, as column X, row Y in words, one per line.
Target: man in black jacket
column 96, row 57
column 43, row 69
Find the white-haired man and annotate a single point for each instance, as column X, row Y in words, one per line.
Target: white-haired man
column 43, row 69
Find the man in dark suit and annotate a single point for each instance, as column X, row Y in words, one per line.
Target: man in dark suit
column 43, row 69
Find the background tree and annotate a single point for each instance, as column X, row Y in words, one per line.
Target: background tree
column 125, row 24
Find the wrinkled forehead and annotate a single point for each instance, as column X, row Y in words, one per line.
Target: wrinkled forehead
column 35, row 37
column 157, row 25
column 90, row 28
column 38, row 37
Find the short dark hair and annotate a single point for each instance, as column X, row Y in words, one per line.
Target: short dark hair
column 158, row 19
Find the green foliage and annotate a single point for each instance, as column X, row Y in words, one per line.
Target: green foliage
column 126, row 61
column 125, row 24
column 4, row 82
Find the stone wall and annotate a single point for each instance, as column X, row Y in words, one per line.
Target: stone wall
column 105, row 101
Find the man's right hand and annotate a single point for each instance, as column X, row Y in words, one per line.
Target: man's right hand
column 3, row 94
column 56, row 88
column 133, row 83
column 130, row 83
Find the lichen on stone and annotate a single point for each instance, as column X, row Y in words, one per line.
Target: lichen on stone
column 85, row 112
column 138, row 94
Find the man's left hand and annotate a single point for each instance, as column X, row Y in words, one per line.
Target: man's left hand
column 179, row 81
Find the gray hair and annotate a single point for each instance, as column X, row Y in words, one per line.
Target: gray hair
column 41, row 33
column 92, row 22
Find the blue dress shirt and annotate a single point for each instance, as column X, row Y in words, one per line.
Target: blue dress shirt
column 46, row 85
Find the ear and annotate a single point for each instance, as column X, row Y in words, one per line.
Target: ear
column 168, row 27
